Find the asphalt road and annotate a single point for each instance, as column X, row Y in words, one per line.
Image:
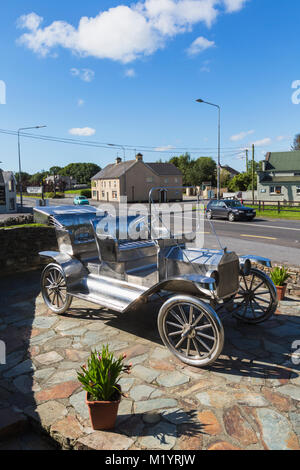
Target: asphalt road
column 276, row 239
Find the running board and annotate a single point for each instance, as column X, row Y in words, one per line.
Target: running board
column 110, row 293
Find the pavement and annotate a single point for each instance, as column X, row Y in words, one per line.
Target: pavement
column 249, row 399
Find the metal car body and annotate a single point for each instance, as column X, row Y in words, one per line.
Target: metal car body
column 99, row 262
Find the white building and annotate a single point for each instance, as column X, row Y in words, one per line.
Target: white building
column 8, row 193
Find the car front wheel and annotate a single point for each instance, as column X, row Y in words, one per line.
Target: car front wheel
column 231, row 217
column 209, row 215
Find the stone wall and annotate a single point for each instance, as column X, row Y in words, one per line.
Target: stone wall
column 20, row 247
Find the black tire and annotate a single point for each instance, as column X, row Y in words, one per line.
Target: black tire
column 209, row 215
column 54, row 289
column 231, row 217
column 198, row 338
column 256, row 300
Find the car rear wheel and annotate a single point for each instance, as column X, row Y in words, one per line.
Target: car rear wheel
column 191, row 330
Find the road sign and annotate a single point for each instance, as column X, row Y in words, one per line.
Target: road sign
column 35, row 190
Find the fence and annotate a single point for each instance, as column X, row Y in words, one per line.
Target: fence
column 279, row 206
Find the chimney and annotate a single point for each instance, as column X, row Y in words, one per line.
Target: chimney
column 118, row 160
column 139, row 157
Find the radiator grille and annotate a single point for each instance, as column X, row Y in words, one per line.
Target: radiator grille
column 229, row 278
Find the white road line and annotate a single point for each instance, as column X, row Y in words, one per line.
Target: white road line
column 253, row 224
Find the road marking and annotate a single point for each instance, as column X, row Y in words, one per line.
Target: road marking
column 257, row 236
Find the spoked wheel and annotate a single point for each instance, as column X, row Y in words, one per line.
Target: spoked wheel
column 257, row 299
column 191, row 330
column 54, row 289
column 209, row 215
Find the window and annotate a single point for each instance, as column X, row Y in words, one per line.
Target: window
column 166, row 180
column 94, row 193
column 149, row 180
column 2, row 196
column 11, row 186
column 114, row 195
column 12, row 205
column 275, row 190
column 103, row 194
column 115, row 183
column 176, row 180
column 298, row 190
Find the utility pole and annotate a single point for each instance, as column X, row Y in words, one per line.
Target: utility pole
column 247, row 161
column 253, row 153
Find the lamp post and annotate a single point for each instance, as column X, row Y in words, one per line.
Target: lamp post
column 19, row 152
column 219, row 141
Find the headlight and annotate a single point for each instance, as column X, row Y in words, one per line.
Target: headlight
column 215, row 276
column 246, row 267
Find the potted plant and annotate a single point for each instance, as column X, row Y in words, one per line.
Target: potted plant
column 99, row 378
column 279, row 276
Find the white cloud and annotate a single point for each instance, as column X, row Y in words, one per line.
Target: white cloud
column 80, row 102
column 31, row 22
column 124, row 33
column 262, row 142
column 199, row 45
column 163, row 149
column 234, row 5
column 241, row 136
column 86, row 75
column 82, row 131
column 130, row 73
column 282, row 138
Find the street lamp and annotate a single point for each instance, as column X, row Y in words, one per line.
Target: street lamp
column 19, row 152
column 219, row 141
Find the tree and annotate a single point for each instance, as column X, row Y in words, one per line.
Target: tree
column 55, row 170
column 82, row 172
column 296, row 144
column 240, row 182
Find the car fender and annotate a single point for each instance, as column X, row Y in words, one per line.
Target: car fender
column 73, row 269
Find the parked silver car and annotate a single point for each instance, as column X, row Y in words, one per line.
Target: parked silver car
column 108, row 268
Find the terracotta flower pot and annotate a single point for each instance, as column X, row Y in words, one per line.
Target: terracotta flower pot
column 281, row 291
column 103, row 414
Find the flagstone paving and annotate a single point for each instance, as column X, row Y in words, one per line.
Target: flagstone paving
column 249, row 399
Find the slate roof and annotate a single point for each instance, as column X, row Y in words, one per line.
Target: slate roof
column 164, row 169
column 231, row 170
column 283, row 161
column 5, row 176
column 114, row 171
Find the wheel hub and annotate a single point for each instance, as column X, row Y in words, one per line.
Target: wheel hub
column 188, row 332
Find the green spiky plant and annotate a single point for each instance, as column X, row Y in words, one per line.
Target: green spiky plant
column 99, row 378
column 279, row 276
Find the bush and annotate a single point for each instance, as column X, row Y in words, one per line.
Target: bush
column 86, row 193
column 53, row 196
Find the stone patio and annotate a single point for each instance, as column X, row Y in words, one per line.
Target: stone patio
column 250, row 399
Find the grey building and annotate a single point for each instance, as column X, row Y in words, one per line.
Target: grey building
column 8, row 193
column 279, row 179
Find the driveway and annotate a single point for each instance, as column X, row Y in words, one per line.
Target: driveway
column 250, row 399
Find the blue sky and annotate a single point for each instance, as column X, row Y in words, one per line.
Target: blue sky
column 129, row 73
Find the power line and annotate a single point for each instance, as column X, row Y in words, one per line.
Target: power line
column 109, row 146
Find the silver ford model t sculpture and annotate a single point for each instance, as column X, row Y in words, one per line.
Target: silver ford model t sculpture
column 110, row 269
